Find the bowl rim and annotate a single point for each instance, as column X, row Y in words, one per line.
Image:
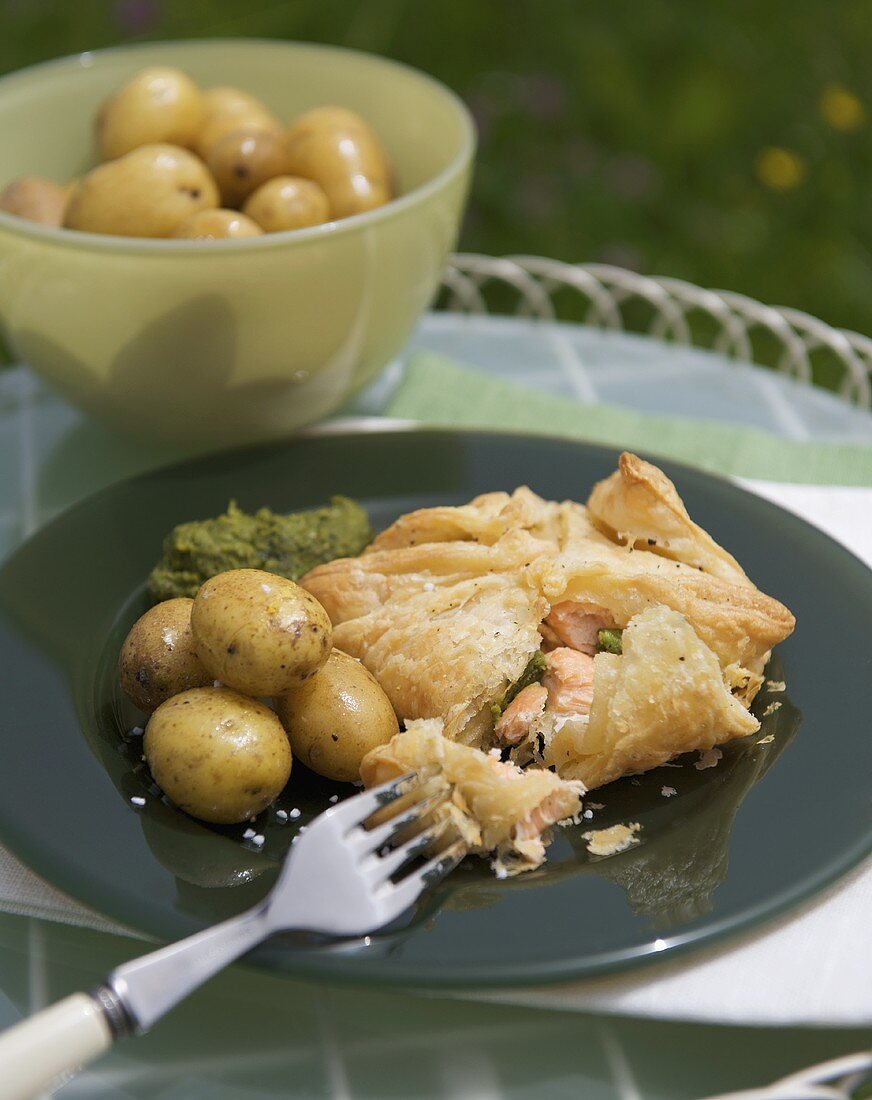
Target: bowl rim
column 77, row 238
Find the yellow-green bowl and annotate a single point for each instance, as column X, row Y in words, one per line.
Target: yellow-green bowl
column 227, row 340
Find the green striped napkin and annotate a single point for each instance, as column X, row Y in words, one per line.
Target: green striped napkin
column 439, row 391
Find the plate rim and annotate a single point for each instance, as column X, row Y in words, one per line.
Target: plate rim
column 496, row 975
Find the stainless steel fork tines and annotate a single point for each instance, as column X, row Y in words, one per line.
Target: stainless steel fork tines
column 381, row 831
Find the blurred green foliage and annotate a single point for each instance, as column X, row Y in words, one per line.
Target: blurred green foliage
column 727, row 143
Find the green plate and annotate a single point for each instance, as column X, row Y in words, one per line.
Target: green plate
column 774, row 821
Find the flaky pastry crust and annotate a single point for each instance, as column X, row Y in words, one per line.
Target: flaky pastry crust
column 445, row 608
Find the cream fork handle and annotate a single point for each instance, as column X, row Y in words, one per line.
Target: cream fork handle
column 61, row 1039
column 54, row 1042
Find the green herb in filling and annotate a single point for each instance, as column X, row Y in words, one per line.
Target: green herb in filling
column 609, row 641
column 289, row 545
column 532, row 674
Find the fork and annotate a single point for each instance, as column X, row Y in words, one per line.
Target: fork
column 346, row 875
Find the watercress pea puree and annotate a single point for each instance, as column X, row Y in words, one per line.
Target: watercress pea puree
column 289, row 545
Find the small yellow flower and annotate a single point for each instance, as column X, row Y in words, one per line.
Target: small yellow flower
column 780, row 169
column 841, row 109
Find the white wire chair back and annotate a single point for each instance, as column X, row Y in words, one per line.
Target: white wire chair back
column 730, row 324
column 840, row 1079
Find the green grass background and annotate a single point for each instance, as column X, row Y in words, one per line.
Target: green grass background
column 627, row 131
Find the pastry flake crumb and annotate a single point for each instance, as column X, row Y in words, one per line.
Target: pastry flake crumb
column 608, row 842
column 776, row 685
column 767, row 740
column 668, row 792
column 596, row 805
column 771, row 709
column 708, row 759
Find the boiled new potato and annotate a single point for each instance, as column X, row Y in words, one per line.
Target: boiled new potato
column 156, row 105
column 36, row 198
column 219, row 127
column 227, row 100
column 258, row 632
column 158, row 658
column 146, row 193
column 228, row 110
column 219, row 755
column 208, row 225
column 336, row 717
column 287, row 202
column 337, row 149
column 243, row 160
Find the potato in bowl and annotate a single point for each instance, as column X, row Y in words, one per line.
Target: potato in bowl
column 233, row 340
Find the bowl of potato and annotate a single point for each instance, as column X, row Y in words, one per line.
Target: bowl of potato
column 222, row 240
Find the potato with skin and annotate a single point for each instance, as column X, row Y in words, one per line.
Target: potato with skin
column 258, row 632
column 158, row 658
column 224, row 99
column 219, row 755
column 287, row 202
column 336, row 717
column 219, row 127
column 216, row 225
column 147, row 193
column 155, row 105
column 243, row 160
column 337, row 149
column 35, row 198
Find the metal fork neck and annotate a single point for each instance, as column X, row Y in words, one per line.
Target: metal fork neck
column 121, row 1023
column 141, row 991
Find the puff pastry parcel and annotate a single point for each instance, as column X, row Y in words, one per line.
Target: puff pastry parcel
column 453, row 609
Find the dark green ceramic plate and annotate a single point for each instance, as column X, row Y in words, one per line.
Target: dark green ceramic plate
column 769, row 825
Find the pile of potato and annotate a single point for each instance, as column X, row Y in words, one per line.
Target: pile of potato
column 202, row 667
column 181, row 162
